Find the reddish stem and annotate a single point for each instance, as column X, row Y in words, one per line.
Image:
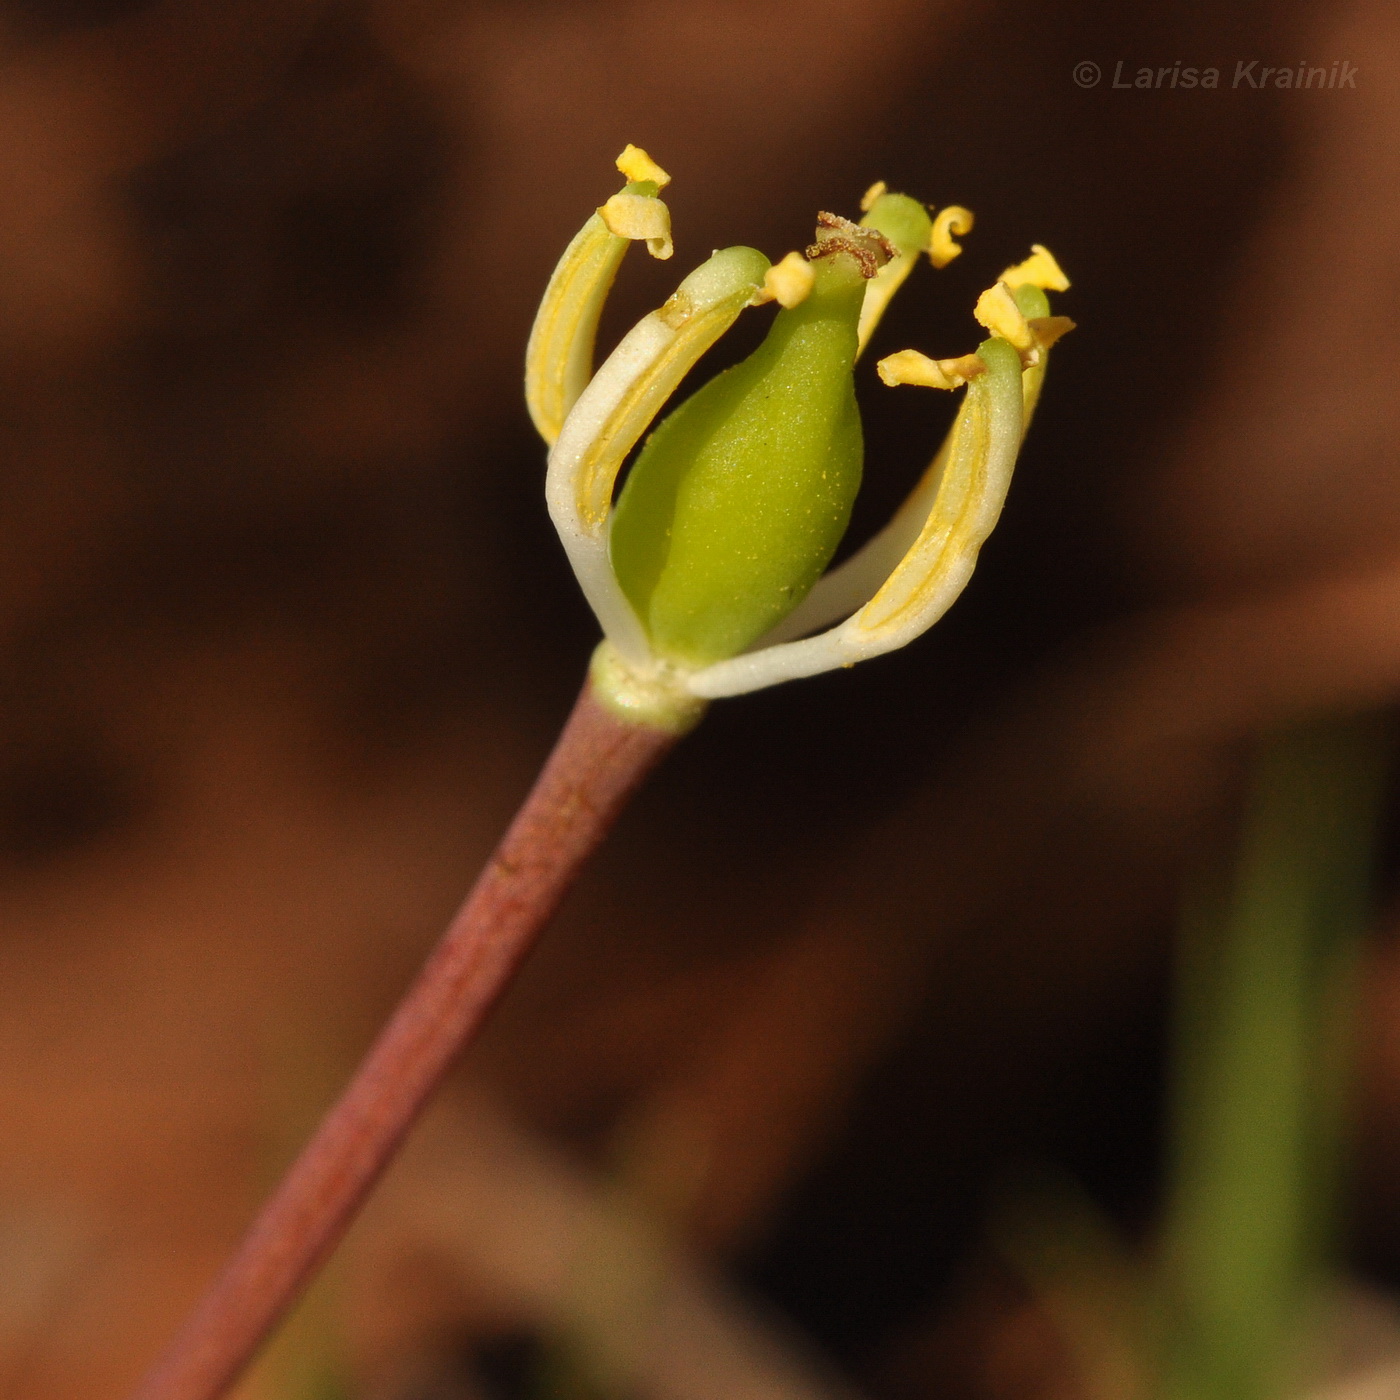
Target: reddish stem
column 596, row 766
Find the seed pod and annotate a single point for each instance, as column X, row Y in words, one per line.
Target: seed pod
column 739, row 499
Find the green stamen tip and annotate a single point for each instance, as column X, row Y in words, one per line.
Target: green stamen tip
column 1031, row 301
column 902, row 220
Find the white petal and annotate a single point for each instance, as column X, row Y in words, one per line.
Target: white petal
column 618, row 406
column 977, row 463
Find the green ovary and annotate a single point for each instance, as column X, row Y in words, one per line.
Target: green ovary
column 738, row 500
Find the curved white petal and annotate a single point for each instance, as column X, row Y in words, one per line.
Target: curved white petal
column 559, row 357
column 618, row 406
column 967, row 498
column 854, row 582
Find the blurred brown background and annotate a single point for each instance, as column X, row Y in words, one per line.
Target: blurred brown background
column 284, row 632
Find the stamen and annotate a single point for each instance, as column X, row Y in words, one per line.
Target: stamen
column 997, row 310
column 789, row 281
column 1038, row 270
column 559, row 358
column 637, row 217
column 637, row 166
column 947, row 222
column 868, row 199
column 1048, row 329
column 911, row 367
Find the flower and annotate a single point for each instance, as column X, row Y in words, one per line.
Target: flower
column 709, row 572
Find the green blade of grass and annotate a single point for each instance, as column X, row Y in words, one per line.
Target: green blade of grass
column 1266, row 986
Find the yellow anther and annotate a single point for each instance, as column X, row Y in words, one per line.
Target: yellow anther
column 947, row 222
column 639, row 216
column 1048, row 329
column 789, row 281
column 1038, row 270
column 867, row 200
column 997, row 310
column 636, row 165
column 911, row 367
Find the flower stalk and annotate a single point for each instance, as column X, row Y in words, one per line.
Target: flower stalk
column 598, row 763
